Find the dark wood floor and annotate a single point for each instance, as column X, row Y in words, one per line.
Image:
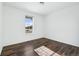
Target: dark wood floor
column 27, row 48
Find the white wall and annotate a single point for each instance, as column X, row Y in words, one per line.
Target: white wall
column 63, row 26
column 60, row 26
column 0, row 27
column 14, row 30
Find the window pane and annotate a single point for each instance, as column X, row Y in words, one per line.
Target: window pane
column 28, row 24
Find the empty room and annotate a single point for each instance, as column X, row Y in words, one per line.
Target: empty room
column 39, row 28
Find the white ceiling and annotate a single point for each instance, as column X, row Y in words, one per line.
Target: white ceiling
column 42, row 9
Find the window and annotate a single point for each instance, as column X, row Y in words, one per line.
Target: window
column 28, row 24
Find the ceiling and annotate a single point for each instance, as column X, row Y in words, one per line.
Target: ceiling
column 43, row 9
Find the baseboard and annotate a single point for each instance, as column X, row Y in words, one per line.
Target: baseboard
column 63, row 42
column 23, row 42
column 37, row 39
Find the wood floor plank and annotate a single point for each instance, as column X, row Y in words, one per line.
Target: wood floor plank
column 27, row 48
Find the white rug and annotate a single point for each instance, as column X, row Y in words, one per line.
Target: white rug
column 44, row 51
